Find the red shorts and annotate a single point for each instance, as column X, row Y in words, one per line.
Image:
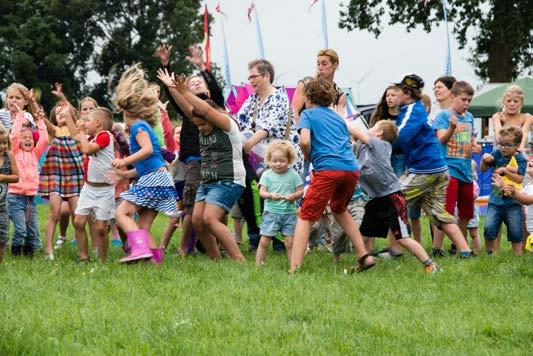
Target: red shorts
column 337, row 187
column 461, row 194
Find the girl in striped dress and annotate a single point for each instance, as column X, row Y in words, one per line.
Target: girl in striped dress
column 61, row 177
column 154, row 191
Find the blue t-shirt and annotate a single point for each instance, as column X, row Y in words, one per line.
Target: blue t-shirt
column 458, row 150
column 331, row 148
column 496, row 195
column 155, row 161
column 283, row 184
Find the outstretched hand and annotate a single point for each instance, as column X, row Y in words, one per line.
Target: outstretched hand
column 166, row 78
column 181, row 83
column 196, row 57
column 163, row 53
column 58, row 92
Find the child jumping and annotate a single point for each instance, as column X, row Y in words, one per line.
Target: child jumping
column 98, row 193
column 154, row 191
column 325, row 141
column 387, row 207
column 501, row 207
column 281, row 187
column 21, row 198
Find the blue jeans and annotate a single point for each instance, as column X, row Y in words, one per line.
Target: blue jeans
column 223, row 194
column 510, row 215
column 23, row 213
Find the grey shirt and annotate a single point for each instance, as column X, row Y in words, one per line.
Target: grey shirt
column 377, row 177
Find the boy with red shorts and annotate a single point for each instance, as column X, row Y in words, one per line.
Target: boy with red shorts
column 325, row 142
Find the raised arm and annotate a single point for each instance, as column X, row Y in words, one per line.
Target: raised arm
column 525, row 132
column 357, row 133
column 177, row 98
column 444, row 135
column 168, row 133
column 195, row 57
column 497, row 121
column 298, row 101
column 143, row 139
column 13, row 177
column 216, row 118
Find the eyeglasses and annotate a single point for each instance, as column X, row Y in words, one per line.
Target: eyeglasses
column 506, row 145
column 255, row 76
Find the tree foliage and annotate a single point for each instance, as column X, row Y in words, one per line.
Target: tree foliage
column 498, row 30
column 74, row 42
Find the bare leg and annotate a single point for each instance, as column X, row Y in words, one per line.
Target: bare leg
column 416, row 228
column 53, row 217
column 208, row 241
column 92, row 230
column 473, row 232
column 262, row 250
column 237, row 230
column 463, row 226
column 415, row 248
column 169, row 231
column 81, row 236
column 287, row 240
column 453, row 231
column 213, row 215
column 496, row 245
column 146, row 218
column 517, row 248
column 2, row 251
column 101, row 229
column 64, row 218
column 299, row 243
column 186, row 234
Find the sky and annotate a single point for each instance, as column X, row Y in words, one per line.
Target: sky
column 292, row 36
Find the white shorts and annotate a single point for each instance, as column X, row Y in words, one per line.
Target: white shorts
column 99, row 201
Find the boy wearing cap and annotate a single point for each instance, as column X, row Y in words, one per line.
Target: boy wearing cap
column 426, row 178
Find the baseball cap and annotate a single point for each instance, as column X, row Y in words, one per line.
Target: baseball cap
column 412, row 81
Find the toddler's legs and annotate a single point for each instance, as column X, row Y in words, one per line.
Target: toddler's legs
column 262, row 248
column 168, row 232
column 474, row 235
column 93, row 231
column 186, row 234
column 287, row 240
column 212, row 216
column 237, row 230
column 64, row 218
column 81, row 235
column 146, row 218
column 55, row 209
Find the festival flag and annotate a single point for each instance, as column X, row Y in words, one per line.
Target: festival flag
column 253, row 9
column 227, row 74
column 250, row 10
column 207, row 44
column 313, row 3
column 230, row 101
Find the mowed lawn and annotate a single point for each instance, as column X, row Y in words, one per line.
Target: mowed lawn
column 196, row 306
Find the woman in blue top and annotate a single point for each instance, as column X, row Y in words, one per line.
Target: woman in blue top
column 154, row 190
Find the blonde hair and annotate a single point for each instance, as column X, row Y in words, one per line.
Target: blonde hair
column 512, row 89
column 22, row 89
column 330, row 53
column 136, row 96
column 281, row 145
column 5, row 132
column 390, row 130
column 105, row 116
column 88, row 98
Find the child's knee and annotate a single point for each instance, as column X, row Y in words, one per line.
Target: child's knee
column 264, row 242
column 288, row 242
column 79, row 222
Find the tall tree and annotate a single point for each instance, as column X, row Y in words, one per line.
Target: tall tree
column 47, row 41
column 499, row 30
column 132, row 31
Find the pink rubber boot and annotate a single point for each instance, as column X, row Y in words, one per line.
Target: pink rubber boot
column 138, row 241
column 158, row 255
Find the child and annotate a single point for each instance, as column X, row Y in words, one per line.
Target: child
column 426, row 177
column 456, row 133
column 326, row 143
column 21, row 198
column 473, row 224
column 280, row 187
column 17, row 96
column 8, row 174
column 387, row 207
column 222, row 170
column 502, row 207
column 154, row 191
column 98, row 193
column 61, row 176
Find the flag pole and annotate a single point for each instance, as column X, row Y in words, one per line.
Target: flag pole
column 324, row 24
column 226, row 58
column 448, row 61
column 259, row 36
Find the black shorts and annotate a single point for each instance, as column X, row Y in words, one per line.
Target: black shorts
column 384, row 213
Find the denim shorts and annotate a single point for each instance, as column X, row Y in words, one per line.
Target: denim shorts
column 510, row 215
column 274, row 223
column 223, row 194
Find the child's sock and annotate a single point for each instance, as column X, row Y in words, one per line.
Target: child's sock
column 427, row 262
column 464, row 254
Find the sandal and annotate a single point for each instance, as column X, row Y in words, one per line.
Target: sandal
column 361, row 266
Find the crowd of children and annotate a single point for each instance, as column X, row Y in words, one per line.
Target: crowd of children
column 374, row 182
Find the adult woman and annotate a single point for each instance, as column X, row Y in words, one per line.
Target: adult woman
column 264, row 117
column 327, row 62
column 441, row 89
column 512, row 102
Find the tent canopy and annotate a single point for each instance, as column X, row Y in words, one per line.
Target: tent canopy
column 488, row 103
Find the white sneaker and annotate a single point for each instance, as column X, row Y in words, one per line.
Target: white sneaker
column 60, row 242
column 49, row 257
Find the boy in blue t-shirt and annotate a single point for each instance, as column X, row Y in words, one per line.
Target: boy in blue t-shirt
column 455, row 131
column 503, row 208
column 325, row 141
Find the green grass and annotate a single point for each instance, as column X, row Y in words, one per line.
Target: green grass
column 195, row 306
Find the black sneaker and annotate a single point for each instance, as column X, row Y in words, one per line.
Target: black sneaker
column 437, row 252
column 453, row 250
column 28, row 251
column 16, row 250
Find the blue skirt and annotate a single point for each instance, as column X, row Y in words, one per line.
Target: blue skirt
column 154, row 191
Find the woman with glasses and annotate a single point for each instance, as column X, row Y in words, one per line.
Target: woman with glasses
column 265, row 116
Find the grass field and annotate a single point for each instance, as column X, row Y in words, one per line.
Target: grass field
column 195, row 306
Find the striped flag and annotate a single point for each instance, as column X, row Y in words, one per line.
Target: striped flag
column 250, row 10
column 313, row 3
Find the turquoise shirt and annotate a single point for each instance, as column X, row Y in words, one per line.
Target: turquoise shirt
column 282, row 184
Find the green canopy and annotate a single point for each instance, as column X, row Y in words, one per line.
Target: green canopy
column 488, row 103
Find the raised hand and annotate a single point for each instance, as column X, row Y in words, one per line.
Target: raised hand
column 196, row 57
column 453, row 122
column 162, row 106
column 58, row 92
column 181, row 83
column 166, row 78
column 163, row 53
